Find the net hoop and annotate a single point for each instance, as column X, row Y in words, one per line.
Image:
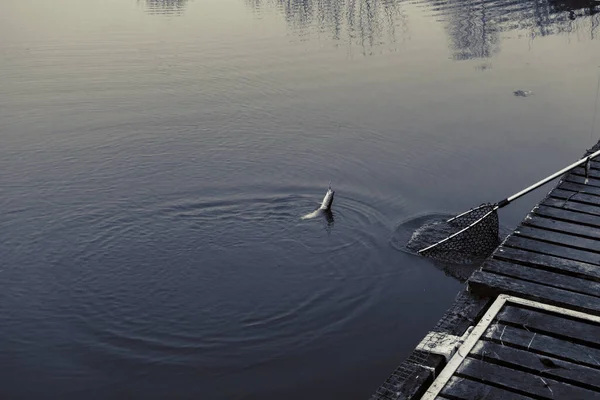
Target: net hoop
column 479, row 220
column 470, row 211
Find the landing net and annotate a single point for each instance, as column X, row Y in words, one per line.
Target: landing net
column 470, row 235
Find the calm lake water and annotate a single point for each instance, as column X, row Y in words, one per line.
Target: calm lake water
column 156, row 158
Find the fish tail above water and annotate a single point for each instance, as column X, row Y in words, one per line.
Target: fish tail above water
column 325, row 207
column 327, row 200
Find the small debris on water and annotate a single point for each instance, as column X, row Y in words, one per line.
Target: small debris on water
column 522, row 93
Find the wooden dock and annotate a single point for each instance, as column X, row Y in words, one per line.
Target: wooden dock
column 528, row 324
column 554, row 255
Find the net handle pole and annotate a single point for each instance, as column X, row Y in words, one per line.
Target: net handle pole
column 555, row 175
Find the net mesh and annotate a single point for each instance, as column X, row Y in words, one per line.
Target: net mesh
column 472, row 235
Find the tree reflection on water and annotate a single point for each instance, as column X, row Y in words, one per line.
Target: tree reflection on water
column 366, row 23
column 170, row 7
column 473, row 26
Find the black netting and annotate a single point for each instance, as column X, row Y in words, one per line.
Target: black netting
column 473, row 234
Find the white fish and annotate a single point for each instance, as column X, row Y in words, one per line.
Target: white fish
column 325, row 205
column 327, row 200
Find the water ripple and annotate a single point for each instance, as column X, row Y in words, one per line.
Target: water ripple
column 123, row 274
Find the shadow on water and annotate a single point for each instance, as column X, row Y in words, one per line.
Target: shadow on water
column 473, row 26
column 165, row 7
column 329, row 218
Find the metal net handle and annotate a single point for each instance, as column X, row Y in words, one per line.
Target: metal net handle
column 585, row 160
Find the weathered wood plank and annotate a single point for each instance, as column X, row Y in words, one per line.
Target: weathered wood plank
column 579, row 187
column 466, row 389
column 459, row 319
column 559, row 238
column 572, row 373
column 593, row 173
column 523, row 383
column 544, row 345
column 566, row 215
column 595, row 164
column 549, row 263
column 581, row 179
column 553, row 279
column 575, row 196
column 541, row 344
column 412, row 387
column 490, row 284
column 572, row 206
column 576, row 330
column 562, row 226
column 552, row 249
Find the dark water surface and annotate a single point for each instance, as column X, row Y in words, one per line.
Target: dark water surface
column 156, row 158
